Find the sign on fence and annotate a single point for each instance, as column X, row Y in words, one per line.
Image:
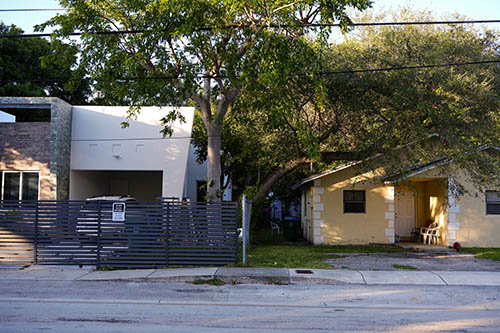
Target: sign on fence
column 118, row 211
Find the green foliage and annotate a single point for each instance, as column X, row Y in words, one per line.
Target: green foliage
column 490, row 253
column 27, row 62
column 410, row 117
column 402, row 109
column 306, row 256
column 209, row 52
column 407, row 267
column 212, row 282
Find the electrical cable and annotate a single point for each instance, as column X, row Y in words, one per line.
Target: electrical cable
column 353, row 71
column 277, row 26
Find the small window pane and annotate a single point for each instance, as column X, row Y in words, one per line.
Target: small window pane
column 354, row 202
column 11, row 186
column 493, row 209
column 492, row 196
column 30, row 186
column 359, row 195
column 354, row 207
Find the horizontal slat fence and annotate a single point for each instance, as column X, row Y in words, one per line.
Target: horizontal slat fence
column 154, row 234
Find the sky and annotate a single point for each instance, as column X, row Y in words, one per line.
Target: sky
column 474, row 9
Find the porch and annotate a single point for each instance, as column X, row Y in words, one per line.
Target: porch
column 417, row 203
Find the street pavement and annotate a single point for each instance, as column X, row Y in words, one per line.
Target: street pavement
column 234, row 275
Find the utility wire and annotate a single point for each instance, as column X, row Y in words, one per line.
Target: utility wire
column 237, row 26
column 34, row 10
column 353, row 71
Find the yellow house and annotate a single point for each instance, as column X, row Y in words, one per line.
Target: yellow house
column 347, row 205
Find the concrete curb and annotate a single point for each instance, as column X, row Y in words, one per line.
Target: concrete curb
column 256, row 275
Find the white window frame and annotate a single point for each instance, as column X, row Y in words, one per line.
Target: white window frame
column 21, row 173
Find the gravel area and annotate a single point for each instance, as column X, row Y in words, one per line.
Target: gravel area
column 446, row 261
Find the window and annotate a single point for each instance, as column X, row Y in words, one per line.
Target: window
column 354, row 202
column 492, row 203
column 19, row 185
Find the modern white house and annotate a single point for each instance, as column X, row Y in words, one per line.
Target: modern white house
column 84, row 151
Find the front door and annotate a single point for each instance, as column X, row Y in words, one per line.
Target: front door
column 404, row 213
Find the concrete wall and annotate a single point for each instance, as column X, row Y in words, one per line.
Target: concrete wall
column 25, row 147
column 100, row 143
column 195, row 172
column 7, row 118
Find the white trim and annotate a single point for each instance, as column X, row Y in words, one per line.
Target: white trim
column 319, row 207
column 318, row 190
column 389, row 216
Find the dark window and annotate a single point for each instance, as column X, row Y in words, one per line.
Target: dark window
column 11, row 185
column 30, row 186
column 201, row 190
column 354, row 202
column 15, row 183
column 492, row 202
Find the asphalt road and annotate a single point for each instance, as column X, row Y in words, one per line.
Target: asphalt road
column 80, row 306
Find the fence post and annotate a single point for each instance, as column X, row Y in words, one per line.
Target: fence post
column 35, row 249
column 166, row 221
column 98, row 259
column 246, row 211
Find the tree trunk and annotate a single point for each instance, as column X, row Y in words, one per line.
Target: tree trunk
column 268, row 184
column 213, row 162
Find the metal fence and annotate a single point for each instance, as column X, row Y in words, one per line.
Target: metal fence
column 154, row 234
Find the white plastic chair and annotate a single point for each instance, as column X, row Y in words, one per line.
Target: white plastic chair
column 275, row 227
column 431, row 234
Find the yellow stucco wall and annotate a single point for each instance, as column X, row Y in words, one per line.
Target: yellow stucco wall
column 468, row 222
column 332, row 226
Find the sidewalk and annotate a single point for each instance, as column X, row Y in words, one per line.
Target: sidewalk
column 256, row 275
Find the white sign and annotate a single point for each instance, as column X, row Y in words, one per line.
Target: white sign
column 118, row 211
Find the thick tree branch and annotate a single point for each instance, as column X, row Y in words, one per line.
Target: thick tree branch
column 268, row 184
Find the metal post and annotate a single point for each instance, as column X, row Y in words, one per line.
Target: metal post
column 98, row 259
column 243, row 227
column 35, row 249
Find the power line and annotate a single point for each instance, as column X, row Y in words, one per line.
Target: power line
column 34, row 10
column 277, row 26
column 390, row 69
column 353, row 71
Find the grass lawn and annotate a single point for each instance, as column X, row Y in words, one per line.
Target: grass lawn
column 271, row 251
column 491, row 253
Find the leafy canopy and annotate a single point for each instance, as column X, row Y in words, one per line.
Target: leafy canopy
column 37, row 67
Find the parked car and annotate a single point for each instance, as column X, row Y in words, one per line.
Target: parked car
column 95, row 208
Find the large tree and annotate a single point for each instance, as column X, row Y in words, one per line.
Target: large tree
column 208, row 51
column 37, row 67
column 407, row 117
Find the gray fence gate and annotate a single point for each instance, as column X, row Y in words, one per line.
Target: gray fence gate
column 154, row 234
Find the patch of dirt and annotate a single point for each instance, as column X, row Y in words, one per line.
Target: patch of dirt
column 423, row 261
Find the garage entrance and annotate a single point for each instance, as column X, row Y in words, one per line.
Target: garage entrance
column 142, row 185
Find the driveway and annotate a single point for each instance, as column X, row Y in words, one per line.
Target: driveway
column 451, row 261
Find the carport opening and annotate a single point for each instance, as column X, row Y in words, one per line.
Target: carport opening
column 141, row 185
